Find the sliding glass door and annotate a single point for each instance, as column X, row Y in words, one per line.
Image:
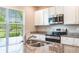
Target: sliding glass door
column 11, row 31
column 2, row 30
column 15, row 31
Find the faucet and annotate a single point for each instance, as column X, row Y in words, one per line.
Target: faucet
column 31, row 37
column 25, row 41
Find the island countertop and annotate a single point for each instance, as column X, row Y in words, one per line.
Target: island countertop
column 38, row 32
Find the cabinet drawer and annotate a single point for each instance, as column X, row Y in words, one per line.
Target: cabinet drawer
column 76, row 41
column 69, row 49
column 77, row 49
column 67, row 40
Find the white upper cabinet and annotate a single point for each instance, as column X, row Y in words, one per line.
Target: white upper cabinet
column 77, row 15
column 52, row 11
column 56, row 10
column 46, row 16
column 39, row 17
column 59, row 9
column 70, row 15
column 36, row 18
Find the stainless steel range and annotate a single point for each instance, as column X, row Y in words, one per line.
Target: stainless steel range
column 55, row 36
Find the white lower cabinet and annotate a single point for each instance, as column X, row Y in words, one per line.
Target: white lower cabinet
column 67, row 40
column 76, row 41
column 71, row 49
column 77, row 49
column 70, row 41
column 71, row 45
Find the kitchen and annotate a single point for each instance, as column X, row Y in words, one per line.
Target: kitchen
column 50, row 29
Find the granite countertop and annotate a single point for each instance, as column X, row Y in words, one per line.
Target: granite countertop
column 72, row 35
column 38, row 32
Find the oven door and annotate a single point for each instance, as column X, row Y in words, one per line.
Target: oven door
column 53, row 39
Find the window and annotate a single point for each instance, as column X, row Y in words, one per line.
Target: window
column 16, row 23
column 11, row 30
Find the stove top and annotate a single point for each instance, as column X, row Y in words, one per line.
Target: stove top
column 57, row 34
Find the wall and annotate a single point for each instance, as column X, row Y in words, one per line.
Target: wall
column 29, row 19
column 71, row 28
column 41, row 7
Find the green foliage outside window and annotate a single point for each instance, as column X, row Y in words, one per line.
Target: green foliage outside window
column 15, row 29
column 2, row 19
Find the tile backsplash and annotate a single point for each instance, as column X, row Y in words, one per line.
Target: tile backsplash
column 71, row 28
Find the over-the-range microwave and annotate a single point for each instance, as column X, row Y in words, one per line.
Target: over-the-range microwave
column 58, row 19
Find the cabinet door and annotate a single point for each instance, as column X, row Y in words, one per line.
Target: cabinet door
column 77, row 49
column 39, row 17
column 69, row 15
column 69, row 49
column 76, row 41
column 36, row 18
column 77, row 15
column 46, row 16
column 59, row 10
column 67, row 40
column 51, row 11
column 42, row 37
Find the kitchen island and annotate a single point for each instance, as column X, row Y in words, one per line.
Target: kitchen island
column 44, row 47
column 52, row 47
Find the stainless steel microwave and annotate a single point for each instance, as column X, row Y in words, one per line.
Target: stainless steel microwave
column 58, row 19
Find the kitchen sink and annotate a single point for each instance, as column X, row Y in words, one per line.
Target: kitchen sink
column 36, row 43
